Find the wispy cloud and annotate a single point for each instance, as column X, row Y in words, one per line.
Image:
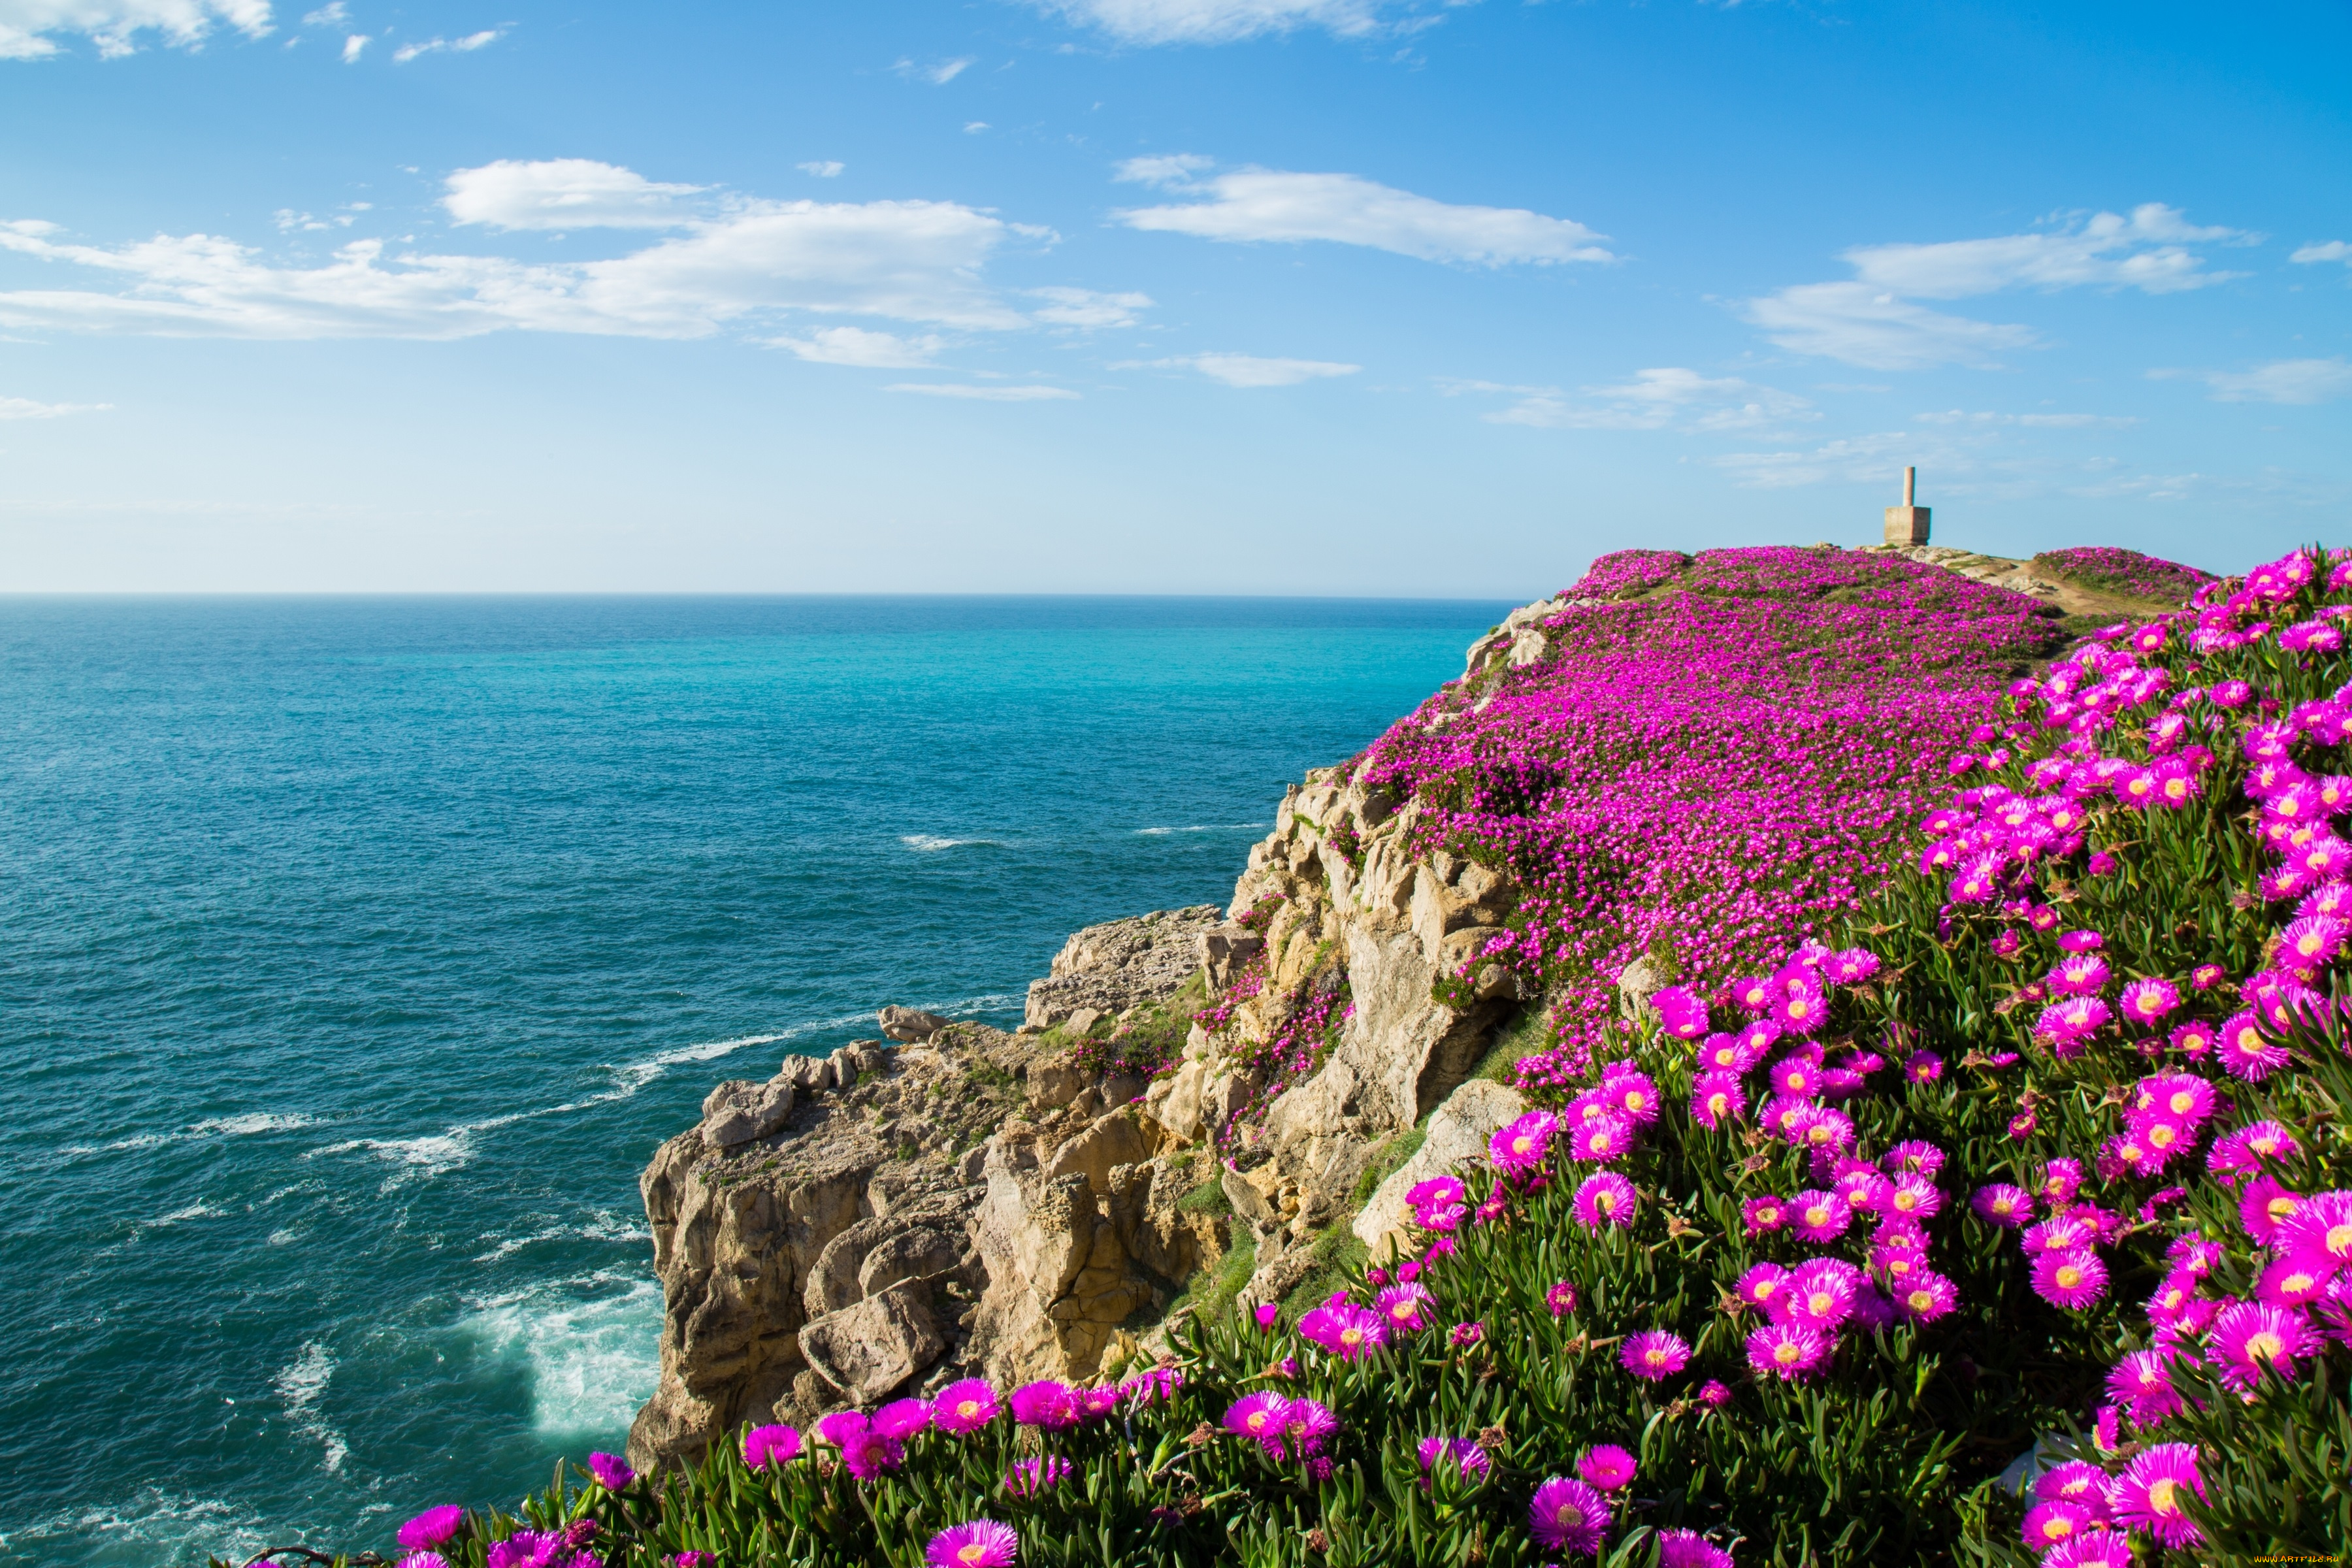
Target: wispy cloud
column 330, row 16
column 984, row 393
column 1227, row 21
column 867, row 349
column 29, row 28
column 27, row 408
column 2027, row 421
column 1660, row 399
column 466, row 45
column 355, row 47
column 2324, row 250
column 823, row 169
column 1089, row 309
column 1262, row 206
column 938, row 73
column 1856, row 458
column 1251, row 370
column 2290, row 381
column 1874, row 321
column 914, row 262
column 563, row 193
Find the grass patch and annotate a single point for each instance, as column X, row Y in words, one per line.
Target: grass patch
column 1209, row 1294
column 1208, row 1198
column 1386, row 1161
column 1339, row 1255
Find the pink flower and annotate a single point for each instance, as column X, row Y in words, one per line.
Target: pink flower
column 1717, row 1096
column 1521, row 1146
column 1764, row 1285
column 612, row 1471
column 2146, row 1495
column 2318, row 1235
column 765, row 1446
column 1260, row 1417
column 2251, row 1337
column 2148, row 1001
column 1462, row 1336
column 1345, row 1330
column 1028, row 1478
column 964, row 1406
column 2004, row 1205
column 2142, row 1384
column 870, row 1453
column 1046, row 1404
column 902, row 1419
column 1714, row 1394
column 982, row 1543
column 1822, row 1294
column 1652, row 1356
column 1689, row 1549
column 1604, row 1198
column 1568, row 1516
column 1560, row 1299
column 2049, row 1525
column 1402, row 1306
column 432, row 1527
column 2073, row 1278
column 1787, row 1351
column 1925, row 1296
column 1270, row 1313
column 1460, row 1454
column 1762, row 1215
column 1819, row 1216
column 1607, row 1466
column 2077, row 1481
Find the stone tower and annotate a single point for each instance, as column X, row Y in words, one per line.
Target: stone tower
column 1907, row 524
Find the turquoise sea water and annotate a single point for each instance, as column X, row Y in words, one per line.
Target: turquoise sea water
column 354, row 955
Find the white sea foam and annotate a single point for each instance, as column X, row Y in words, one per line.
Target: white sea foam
column 154, row 1526
column 593, row 1359
column 601, row 1226
column 299, row 1385
column 248, row 1125
column 180, row 1217
column 931, row 843
column 1205, row 827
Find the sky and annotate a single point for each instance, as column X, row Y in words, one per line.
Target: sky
column 1346, row 297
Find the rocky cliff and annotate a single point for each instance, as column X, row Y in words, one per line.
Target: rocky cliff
column 1027, row 1206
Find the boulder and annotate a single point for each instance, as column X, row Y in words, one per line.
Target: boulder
column 1458, row 1132
column 1119, row 964
column 1082, row 1021
column 875, row 1347
column 1224, row 948
column 739, row 1111
column 910, row 1026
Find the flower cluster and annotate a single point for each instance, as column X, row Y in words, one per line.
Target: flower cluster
column 2126, row 571
column 1627, row 575
column 1706, row 777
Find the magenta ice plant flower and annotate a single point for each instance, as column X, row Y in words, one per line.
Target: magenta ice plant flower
column 1653, row 1355
column 1046, row 1404
column 2250, row 1338
column 1787, row 1351
column 1568, row 1516
column 432, row 1528
column 964, row 1406
column 612, row 1471
column 981, row 1543
column 1345, row 1330
column 773, row 1445
column 1606, row 1467
column 2072, row 1277
column 1605, row 1198
column 2146, row 1495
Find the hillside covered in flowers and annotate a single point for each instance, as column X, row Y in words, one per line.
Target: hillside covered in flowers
column 1975, row 1188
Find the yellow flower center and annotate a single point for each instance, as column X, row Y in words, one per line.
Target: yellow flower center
column 2162, row 1135
column 1605, row 1202
column 1633, row 1101
column 1522, row 1143
column 1256, row 1420
column 1718, row 1104
column 1654, row 1357
column 1820, row 1301
column 975, row 1552
column 1817, row 1214
column 1907, row 1201
column 2298, row 1281
column 1799, row 1006
column 1920, row 1300
column 2183, row 1102
column 2339, row 1239
column 1569, row 1515
column 1350, row 1336
column 2308, row 944
column 1764, row 1288
column 967, row 1408
column 1786, row 1352
column 2265, row 1346
column 2160, row 1499
column 2284, row 1204
column 2069, row 1277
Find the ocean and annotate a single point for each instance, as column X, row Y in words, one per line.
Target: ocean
column 356, row 953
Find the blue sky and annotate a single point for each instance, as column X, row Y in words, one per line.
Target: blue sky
column 1256, row 296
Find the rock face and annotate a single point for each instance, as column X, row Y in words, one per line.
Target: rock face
column 1457, row 1139
column 1110, row 968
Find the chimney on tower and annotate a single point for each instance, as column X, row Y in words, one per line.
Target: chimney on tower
column 1907, row 524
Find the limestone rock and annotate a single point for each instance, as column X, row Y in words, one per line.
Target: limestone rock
column 871, row 1350
column 1456, row 1139
column 1113, row 966
column 907, row 1024
column 739, row 1111
column 1225, row 950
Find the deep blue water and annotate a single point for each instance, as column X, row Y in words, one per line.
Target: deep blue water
column 354, row 955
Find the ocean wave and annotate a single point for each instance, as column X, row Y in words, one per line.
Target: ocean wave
column 1205, row 827
column 601, row 1226
column 931, row 843
column 155, row 1526
column 180, row 1217
column 250, row 1124
column 299, row 1385
column 593, row 1359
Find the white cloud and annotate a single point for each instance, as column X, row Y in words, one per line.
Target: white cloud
column 329, row 16
column 2286, row 381
column 26, row 408
column 984, row 394
column 28, row 28
column 2027, row 421
column 864, row 349
column 1872, row 327
column 1251, row 370
column 1223, row 21
column 1172, row 169
column 2324, row 250
column 355, row 47
column 1664, row 398
column 974, row 127
column 823, row 169
column 563, row 193
column 2148, row 251
column 466, row 45
column 1086, row 308
column 1872, row 321
column 1856, row 457
column 1252, row 206
column 938, row 73
column 913, row 261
